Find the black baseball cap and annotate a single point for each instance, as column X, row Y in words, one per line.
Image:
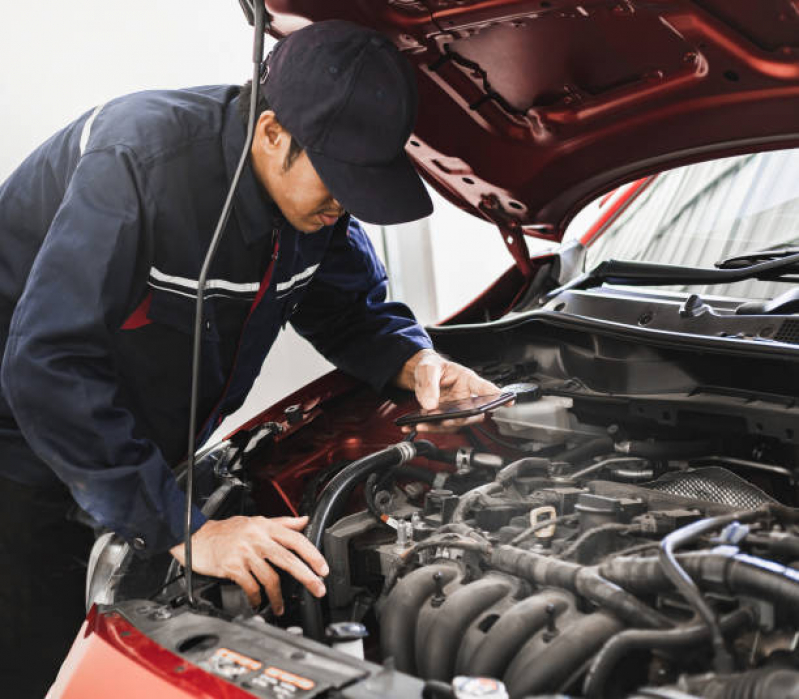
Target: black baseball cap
column 349, row 98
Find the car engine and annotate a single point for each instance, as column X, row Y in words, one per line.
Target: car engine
column 558, row 548
column 596, row 569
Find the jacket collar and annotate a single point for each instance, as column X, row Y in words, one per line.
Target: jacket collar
column 256, row 214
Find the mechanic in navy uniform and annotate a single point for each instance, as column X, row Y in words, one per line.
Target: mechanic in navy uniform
column 103, row 230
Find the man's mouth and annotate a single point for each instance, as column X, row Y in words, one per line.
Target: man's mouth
column 328, row 219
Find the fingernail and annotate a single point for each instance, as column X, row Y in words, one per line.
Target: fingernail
column 279, row 611
column 320, row 590
column 325, row 569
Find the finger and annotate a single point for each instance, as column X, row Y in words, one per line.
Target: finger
column 296, row 523
column 427, row 379
column 297, row 542
column 462, row 388
column 285, row 559
column 271, row 581
column 464, row 391
column 246, row 582
column 481, row 387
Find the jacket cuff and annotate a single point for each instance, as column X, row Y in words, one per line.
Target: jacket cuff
column 155, row 529
column 394, row 357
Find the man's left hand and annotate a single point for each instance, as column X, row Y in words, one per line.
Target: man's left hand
column 436, row 380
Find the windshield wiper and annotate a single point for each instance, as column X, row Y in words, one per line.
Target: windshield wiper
column 749, row 258
column 632, row 273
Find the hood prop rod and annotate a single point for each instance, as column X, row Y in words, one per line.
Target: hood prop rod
column 260, row 24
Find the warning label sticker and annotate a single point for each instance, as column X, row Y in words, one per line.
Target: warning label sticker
column 288, row 680
column 228, row 663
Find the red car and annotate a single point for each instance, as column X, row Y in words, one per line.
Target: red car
column 628, row 527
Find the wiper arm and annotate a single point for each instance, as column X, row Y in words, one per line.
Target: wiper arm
column 750, row 258
column 645, row 273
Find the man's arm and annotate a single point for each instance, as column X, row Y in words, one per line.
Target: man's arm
column 58, row 372
column 61, row 381
column 346, row 316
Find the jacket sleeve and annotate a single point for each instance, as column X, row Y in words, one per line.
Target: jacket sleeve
column 345, row 315
column 58, row 372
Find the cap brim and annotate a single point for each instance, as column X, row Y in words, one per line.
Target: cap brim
column 380, row 194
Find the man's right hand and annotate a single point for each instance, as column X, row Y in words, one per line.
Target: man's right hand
column 239, row 548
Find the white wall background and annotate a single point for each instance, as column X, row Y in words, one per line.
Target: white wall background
column 61, row 58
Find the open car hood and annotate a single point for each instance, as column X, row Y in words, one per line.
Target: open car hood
column 528, row 110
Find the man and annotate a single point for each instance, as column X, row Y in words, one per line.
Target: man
column 103, row 230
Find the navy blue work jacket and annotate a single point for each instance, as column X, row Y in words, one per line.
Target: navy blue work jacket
column 103, row 230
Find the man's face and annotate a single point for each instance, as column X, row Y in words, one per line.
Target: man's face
column 297, row 190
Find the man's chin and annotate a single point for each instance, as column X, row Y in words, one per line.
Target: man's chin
column 305, row 225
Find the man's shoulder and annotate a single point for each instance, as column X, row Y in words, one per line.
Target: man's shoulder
column 154, row 123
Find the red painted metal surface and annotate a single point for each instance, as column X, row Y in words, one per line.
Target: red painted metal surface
column 344, row 420
column 617, row 207
column 540, row 107
column 347, row 421
column 111, row 658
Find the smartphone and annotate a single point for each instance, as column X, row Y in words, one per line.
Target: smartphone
column 467, row 407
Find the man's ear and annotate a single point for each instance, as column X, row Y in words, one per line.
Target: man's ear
column 270, row 137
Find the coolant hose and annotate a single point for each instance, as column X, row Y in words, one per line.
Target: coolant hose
column 585, row 581
column 662, row 450
column 587, row 450
column 333, row 497
column 738, row 573
column 631, row 640
column 723, row 660
column 759, row 684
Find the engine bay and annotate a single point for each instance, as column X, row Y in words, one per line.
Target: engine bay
column 607, row 535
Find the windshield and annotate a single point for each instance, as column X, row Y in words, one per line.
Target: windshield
column 701, row 214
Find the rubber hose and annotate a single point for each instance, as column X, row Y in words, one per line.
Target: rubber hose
column 587, row 450
column 670, row 450
column 468, row 500
column 401, row 612
column 512, row 630
column 436, row 654
column 332, row 498
column 544, row 570
column 739, row 573
column 536, row 670
column 521, row 467
column 722, row 658
column 626, row 642
column 503, row 478
column 760, row 684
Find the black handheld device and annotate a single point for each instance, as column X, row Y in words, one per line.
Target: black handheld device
column 466, row 407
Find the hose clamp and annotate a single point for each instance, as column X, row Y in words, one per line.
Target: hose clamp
column 407, row 450
column 463, row 459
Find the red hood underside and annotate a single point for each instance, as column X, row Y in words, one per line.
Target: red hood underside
column 528, row 110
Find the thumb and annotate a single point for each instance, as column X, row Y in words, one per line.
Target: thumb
column 427, row 381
